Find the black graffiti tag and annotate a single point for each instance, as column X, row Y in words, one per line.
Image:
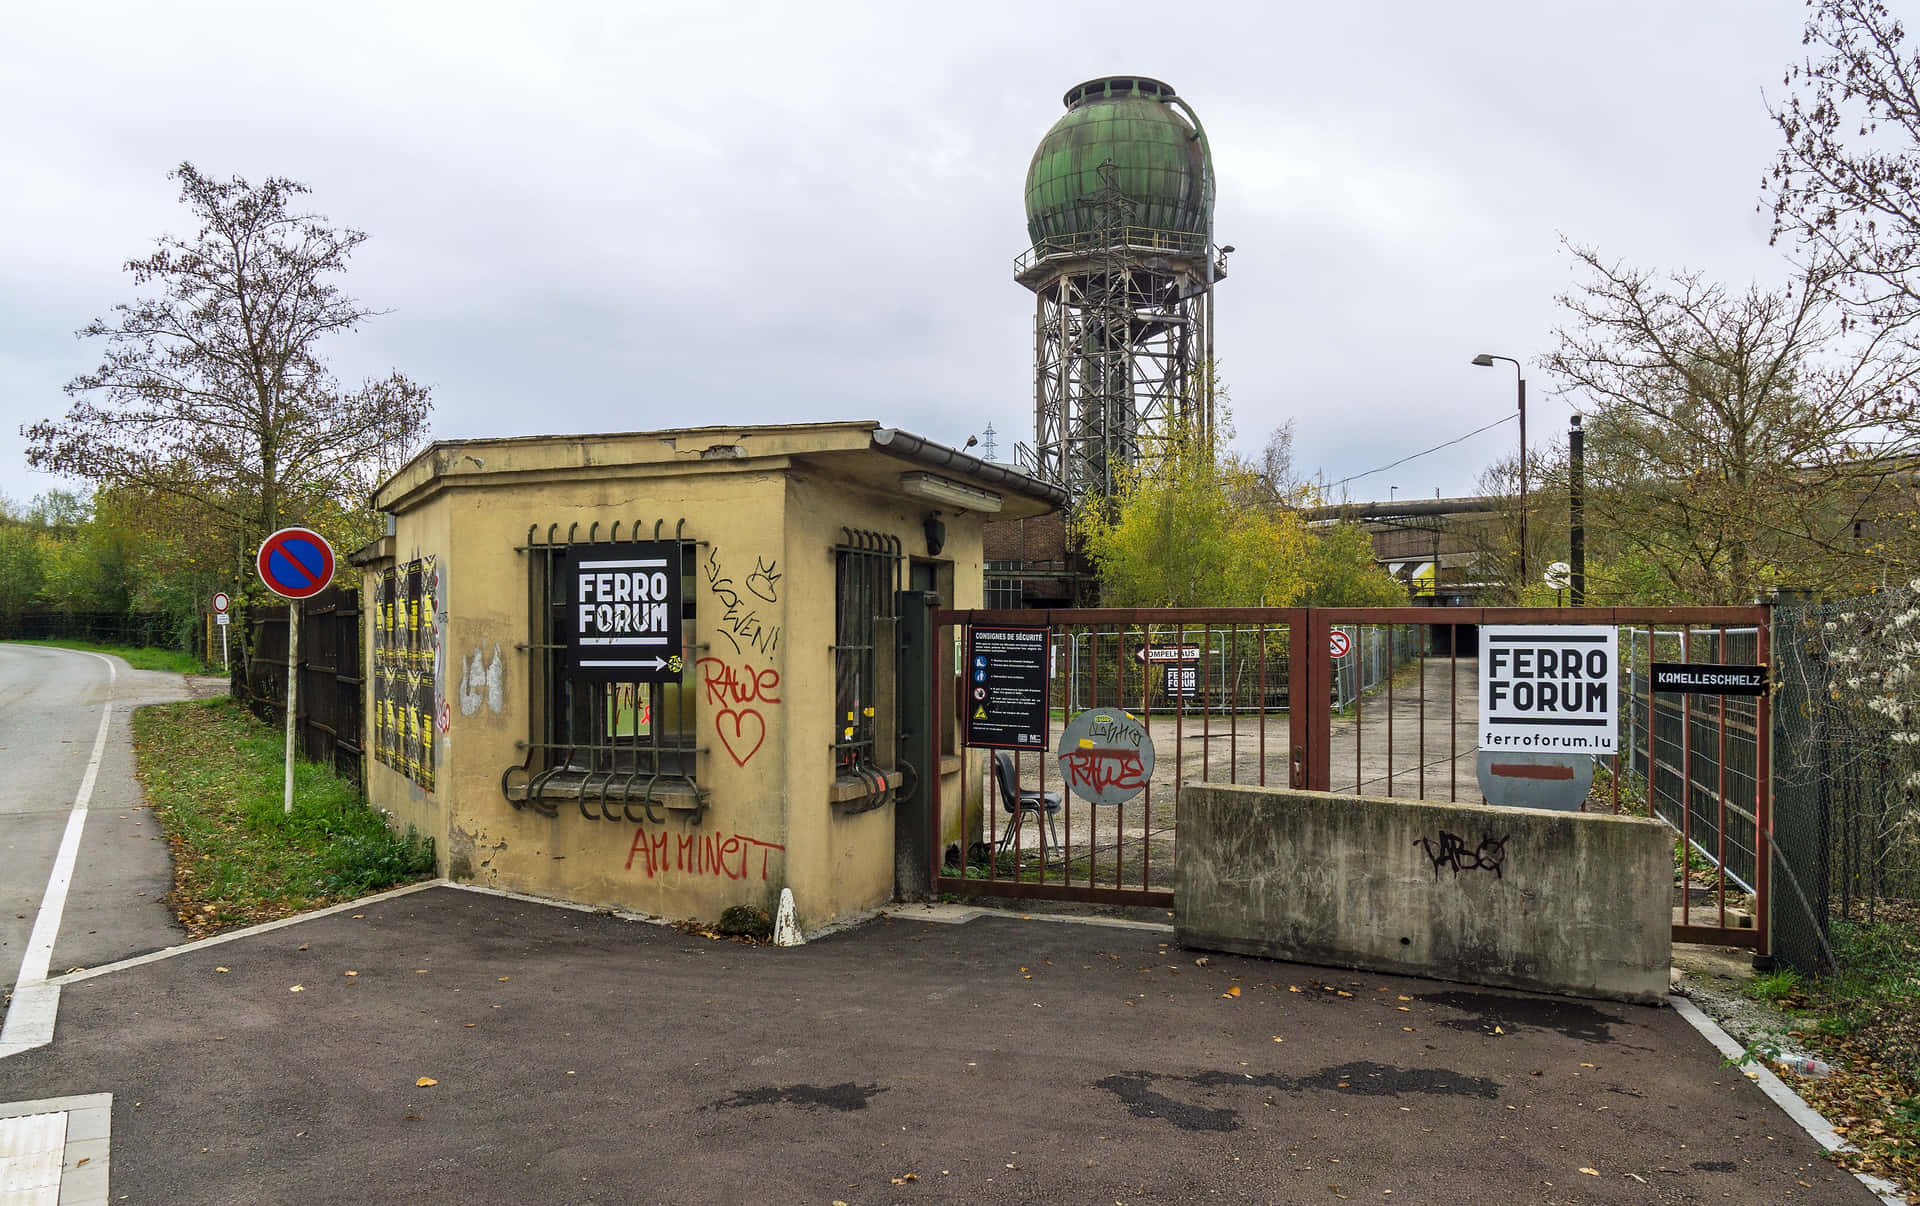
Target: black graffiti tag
column 739, row 622
column 764, row 581
column 1451, row 851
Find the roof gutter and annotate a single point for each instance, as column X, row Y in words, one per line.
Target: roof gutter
column 910, row 447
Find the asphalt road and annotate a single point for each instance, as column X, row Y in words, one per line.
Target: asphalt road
column 50, row 705
column 577, row 1058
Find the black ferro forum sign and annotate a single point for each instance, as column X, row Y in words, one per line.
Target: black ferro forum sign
column 1696, row 678
column 1006, row 688
column 621, row 611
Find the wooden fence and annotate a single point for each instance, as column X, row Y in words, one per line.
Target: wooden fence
column 328, row 721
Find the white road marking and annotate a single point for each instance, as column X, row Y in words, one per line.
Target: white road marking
column 1804, row 1116
column 30, row 1016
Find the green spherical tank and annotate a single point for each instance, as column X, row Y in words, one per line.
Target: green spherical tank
column 1160, row 157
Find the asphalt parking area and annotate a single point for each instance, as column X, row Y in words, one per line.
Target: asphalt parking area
column 577, row 1057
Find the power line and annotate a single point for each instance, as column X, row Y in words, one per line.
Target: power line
column 1416, row 456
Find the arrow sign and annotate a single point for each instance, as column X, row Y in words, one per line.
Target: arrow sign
column 1166, row 653
column 295, row 563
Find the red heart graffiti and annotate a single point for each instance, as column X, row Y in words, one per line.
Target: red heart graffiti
column 738, row 740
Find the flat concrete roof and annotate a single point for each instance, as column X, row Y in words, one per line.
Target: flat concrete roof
column 862, row 450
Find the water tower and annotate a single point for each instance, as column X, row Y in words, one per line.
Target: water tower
column 1122, row 267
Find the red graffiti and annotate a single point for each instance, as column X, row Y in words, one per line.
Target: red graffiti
column 1101, row 770
column 721, row 855
column 740, row 727
column 732, row 686
column 742, row 732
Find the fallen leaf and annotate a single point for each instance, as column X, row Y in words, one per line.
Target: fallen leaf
column 1405, row 998
column 411, row 1118
column 303, row 946
column 1589, row 1065
column 296, row 988
column 1404, row 1009
column 220, row 969
column 1230, row 993
column 1293, row 988
column 1591, row 1172
column 470, row 1025
column 1498, row 1030
column 1341, row 992
column 504, row 979
column 1278, row 1039
column 425, row 1082
column 911, row 1177
column 353, row 973
column 81, row 1160
column 1200, row 962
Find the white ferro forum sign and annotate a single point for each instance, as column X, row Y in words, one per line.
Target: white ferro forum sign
column 1550, row 688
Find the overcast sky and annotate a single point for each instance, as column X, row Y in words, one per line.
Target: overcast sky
column 604, row 217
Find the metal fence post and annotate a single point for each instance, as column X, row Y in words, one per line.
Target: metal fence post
column 919, row 748
column 1799, row 788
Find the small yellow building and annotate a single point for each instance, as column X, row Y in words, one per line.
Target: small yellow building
column 661, row 671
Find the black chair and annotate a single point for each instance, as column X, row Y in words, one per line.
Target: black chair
column 1019, row 803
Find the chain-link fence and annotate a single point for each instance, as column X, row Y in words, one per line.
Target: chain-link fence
column 1847, row 765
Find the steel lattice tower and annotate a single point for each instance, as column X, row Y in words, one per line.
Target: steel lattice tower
column 1122, row 267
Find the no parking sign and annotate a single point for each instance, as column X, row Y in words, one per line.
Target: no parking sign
column 295, row 563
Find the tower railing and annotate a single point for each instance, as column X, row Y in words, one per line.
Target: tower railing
column 1142, row 238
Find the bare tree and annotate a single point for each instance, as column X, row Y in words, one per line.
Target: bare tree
column 215, row 392
column 1735, row 438
column 1846, row 184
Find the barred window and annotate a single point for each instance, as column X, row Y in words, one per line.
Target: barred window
column 867, row 567
column 621, row 747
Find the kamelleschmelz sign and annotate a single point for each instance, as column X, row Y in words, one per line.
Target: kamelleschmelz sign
column 1697, row 678
column 622, row 611
column 1550, row 688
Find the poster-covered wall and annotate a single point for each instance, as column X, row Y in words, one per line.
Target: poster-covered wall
column 406, row 678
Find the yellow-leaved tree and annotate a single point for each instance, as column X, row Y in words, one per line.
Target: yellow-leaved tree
column 1192, row 526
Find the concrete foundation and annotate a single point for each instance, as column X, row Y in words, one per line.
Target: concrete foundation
column 1548, row 901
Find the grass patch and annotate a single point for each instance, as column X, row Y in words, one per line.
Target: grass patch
column 213, row 776
column 140, row 658
column 1865, row 1020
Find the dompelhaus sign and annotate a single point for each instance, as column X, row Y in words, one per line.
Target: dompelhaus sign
column 621, row 605
column 1551, row 689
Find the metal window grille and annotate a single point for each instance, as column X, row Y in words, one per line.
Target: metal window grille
column 867, row 568
column 613, row 747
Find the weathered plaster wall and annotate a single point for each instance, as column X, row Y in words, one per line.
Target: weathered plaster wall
column 1550, row 901
column 760, row 681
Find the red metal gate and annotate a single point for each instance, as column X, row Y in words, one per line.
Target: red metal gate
column 1256, row 695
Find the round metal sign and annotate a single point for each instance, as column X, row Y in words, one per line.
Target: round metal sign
column 1339, row 643
column 1106, row 755
column 295, row 563
column 1516, row 780
column 1559, row 575
column 221, row 602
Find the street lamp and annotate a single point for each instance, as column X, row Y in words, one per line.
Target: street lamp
column 1486, row 361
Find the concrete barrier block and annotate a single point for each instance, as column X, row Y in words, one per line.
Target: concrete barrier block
column 1522, row 898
